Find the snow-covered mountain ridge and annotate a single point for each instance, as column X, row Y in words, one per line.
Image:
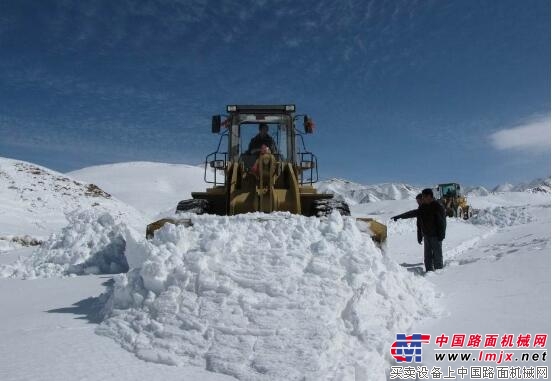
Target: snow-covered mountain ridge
column 541, row 185
column 355, row 193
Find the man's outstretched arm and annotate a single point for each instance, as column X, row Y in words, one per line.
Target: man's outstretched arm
column 410, row 214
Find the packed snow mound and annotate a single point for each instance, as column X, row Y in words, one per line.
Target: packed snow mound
column 502, row 216
column 161, row 185
column 265, row 297
column 92, row 243
column 34, row 200
column 354, row 193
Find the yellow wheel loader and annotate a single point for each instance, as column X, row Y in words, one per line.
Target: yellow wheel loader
column 450, row 195
column 261, row 165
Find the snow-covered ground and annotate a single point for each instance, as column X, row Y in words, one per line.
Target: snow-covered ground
column 496, row 278
column 248, row 297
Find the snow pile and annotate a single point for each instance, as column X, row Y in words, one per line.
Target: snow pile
column 502, row 216
column 92, row 243
column 259, row 297
column 354, row 193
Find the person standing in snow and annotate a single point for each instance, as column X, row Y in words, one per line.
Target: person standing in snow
column 433, row 226
column 412, row 214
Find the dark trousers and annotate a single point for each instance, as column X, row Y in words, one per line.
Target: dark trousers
column 433, row 253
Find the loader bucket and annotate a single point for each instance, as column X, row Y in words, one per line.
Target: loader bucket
column 377, row 230
column 154, row 226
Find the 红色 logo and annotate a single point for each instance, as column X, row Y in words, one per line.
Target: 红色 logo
column 409, row 348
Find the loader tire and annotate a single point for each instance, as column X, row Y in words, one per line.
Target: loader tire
column 321, row 208
column 197, row 206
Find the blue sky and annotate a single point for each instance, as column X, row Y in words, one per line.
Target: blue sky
column 413, row 91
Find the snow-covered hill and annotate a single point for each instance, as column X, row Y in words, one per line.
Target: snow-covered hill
column 354, row 193
column 34, row 202
column 152, row 188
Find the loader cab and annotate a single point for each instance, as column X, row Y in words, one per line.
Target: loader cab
column 251, row 136
column 242, row 124
column 449, row 190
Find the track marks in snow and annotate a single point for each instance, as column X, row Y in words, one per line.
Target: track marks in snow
column 457, row 254
column 486, row 247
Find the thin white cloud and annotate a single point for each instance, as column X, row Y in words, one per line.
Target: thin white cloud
column 533, row 136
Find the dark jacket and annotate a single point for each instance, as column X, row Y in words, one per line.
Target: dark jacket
column 411, row 214
column 434, row 221
column 430, row 217
column 258, row 141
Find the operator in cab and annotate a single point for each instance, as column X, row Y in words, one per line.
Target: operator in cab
column 262, row 138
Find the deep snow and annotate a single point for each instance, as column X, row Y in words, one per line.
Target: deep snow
column 290, row 297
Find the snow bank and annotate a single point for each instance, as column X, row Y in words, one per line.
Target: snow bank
column 92, row 243
column 259, row 297
column 502, row 216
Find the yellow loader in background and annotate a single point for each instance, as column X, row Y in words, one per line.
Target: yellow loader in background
column 258, row 180
column 454, row 201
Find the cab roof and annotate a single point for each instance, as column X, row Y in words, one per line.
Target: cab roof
column 268, row 109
